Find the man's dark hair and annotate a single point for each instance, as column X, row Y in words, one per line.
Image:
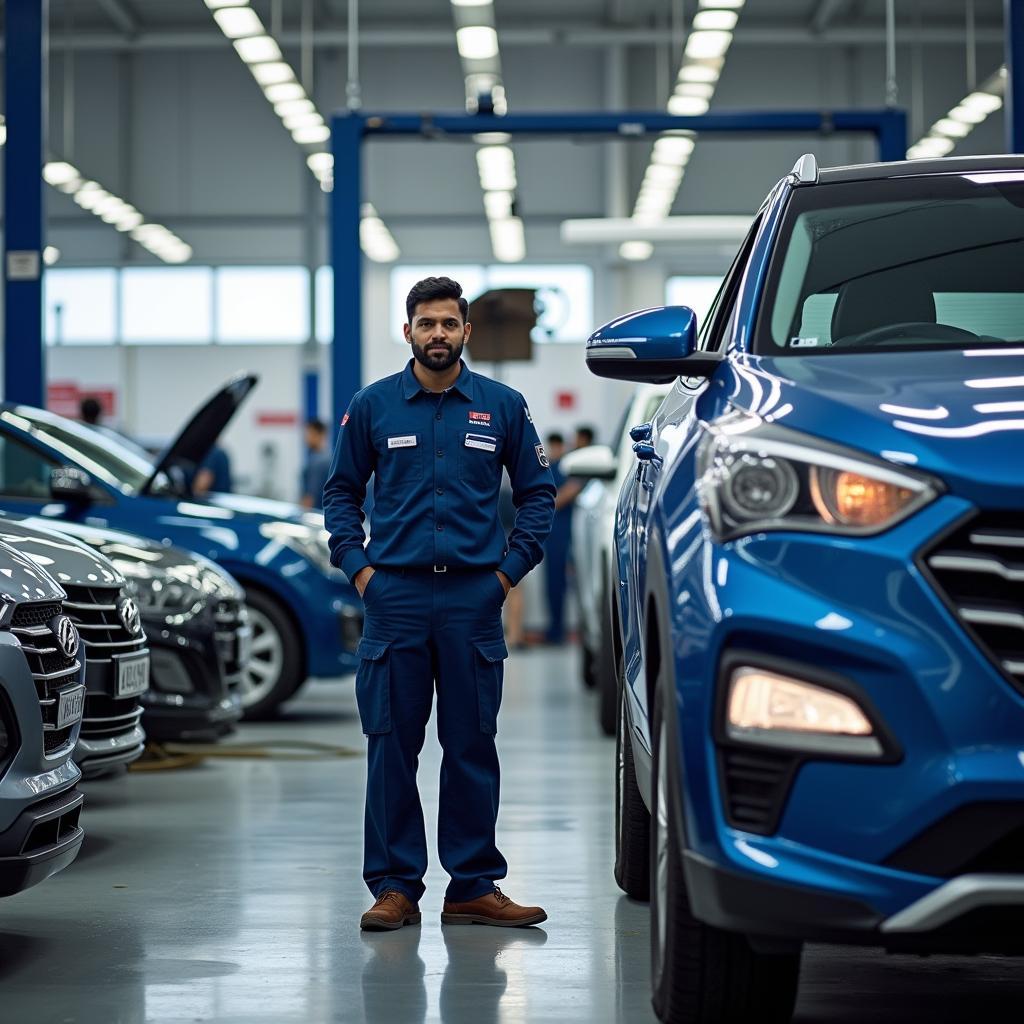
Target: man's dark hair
column 587, row 433
column 89, row 409
column 554, row 438
column 317, row 425
column 431, row 288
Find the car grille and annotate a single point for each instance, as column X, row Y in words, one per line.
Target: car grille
column 109, row 717
column 52, row 670
column 94, row 610
column 230, row 617
column 979, row 570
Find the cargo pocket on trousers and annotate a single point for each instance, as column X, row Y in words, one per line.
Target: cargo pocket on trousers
column 490, row 670
column 373, row 686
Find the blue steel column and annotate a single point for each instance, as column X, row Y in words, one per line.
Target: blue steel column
column 1014, row 30
column 25, row 89
column 347, row 260
column 892, row 135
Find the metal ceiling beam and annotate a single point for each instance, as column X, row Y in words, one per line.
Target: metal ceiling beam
column 825, row 12
column 578, row 35
column 120, row 15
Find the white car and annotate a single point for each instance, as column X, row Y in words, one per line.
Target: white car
column 593, row 524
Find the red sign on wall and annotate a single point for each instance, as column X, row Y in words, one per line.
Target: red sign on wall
column 271, row 418
column 64, row 397
column 565, row 399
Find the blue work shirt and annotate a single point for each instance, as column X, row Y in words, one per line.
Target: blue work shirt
column 314, row 476
column 437, row 461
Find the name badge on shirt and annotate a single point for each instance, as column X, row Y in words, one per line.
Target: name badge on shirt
column 481, row 441
column 405, row 441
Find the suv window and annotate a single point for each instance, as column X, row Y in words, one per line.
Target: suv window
column 918, row 262
column 713, row 328
column 24, row 472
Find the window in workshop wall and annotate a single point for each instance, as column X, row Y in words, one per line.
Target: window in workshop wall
column 565, row 294
column 81, row 306
column 261, row 305
column 323, row 286
column 167, row 305
column 696, row 292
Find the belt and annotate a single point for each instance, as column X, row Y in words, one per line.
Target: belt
column 431, row 570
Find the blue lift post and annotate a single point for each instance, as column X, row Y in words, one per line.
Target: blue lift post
column 25, row 89
column 349, row 131
column 1014, row 98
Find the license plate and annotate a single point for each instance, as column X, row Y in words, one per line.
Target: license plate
column 244, row 646
column 70, row 706
column 132, row 676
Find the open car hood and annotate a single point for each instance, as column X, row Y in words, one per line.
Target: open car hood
column 196, row 439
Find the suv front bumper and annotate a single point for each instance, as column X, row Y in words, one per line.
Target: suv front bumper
column 44, row 839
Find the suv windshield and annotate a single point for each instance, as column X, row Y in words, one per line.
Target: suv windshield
column 919, row 262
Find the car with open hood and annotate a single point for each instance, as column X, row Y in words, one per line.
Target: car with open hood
column 819, row 568
column 42, row 695
column 305, row 617
column 113, row 643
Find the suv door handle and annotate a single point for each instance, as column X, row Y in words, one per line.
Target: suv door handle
column 646, row 452
column 641, row 432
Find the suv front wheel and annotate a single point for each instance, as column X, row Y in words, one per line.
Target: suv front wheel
column 700, row 974
column 275, row 669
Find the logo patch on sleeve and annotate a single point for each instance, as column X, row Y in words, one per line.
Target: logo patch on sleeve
column 479, row 417
column 344, row 419
column 542, row 457
column 529, row 418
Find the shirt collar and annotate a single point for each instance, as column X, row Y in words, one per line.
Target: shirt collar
column 411, row 387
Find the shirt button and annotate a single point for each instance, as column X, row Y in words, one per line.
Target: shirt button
column 438, row 416
column 440, row 527
column 440, row 490
column 440, row 453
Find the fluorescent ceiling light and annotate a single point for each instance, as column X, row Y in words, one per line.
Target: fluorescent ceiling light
column 492, row 139
column 702, row 89
column 930, row 146
column 968, row 115
column 272, row 73
column 3, row 130
column 471, row 3
column 685, row 106
column 508, row 240
column 320, row 163
column 238, row 22
column 733, row 4
column 89, row 199
column 289, row 107
column 985, row 102
column 636, row 250
column 216, row 5
column 57, row 172
column 707, row 44
column 130, row 218
column 497, row 168
column 477, row 42
column 954, row 129
column 257, row 50
column 498, row 205
column 673, row 149
column 50, row 255
column 284, row 91
column 311, row 134
column 699, row 73
column 293, row 121
column 724, row 21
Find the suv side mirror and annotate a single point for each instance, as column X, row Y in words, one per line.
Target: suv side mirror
column 72, row 485
column 651, row 346
column 595, row 462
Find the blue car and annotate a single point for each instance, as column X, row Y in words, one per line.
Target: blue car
column 819, row 588
column 306, row 618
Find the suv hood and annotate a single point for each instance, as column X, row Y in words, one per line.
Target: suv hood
column 200, row 433
column 958, row 415
column 21, row 579
column 67, row 560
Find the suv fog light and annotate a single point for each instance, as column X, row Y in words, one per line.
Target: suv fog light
column 768, row 709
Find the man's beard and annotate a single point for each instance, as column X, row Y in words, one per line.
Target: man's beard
column 440, row 357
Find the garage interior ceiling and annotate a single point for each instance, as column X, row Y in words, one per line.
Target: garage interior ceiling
column 167, row 117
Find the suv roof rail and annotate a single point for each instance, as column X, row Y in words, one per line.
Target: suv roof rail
column 805, row 170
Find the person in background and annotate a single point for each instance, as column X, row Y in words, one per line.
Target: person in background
column 318, row 465
column 584, row 436
column 214, row 474
column 557, row 547
column 513, row 610
column 90, row 411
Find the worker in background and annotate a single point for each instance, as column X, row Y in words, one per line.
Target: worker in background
column 318, row 465
column 90, row 411
column 433, row 577
column 214, row 474
column 584, row 436
column 559, row 543
column 512, row 613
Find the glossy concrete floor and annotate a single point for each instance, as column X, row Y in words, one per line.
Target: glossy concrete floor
column 231, row 893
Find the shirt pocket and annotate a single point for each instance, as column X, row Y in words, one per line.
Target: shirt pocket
column 399, row 457
column 480, row 459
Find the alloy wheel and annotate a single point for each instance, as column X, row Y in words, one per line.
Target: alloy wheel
column 267, row 660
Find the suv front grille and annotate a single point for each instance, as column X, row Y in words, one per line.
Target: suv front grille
column 52, row 670
column 230, row 617
column 979, row 570
column 94, row 610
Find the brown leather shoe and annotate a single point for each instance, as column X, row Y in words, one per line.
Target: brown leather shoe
column 392, row 910
column 495, row 909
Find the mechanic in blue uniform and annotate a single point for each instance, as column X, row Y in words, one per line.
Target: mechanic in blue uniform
column 433, row 578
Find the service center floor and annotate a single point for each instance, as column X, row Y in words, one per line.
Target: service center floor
column 231, row 893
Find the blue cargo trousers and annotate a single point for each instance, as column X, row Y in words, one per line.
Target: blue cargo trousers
column 427, row 630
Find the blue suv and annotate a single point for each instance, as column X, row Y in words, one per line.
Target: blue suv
column 819, row 588
column 306, row 618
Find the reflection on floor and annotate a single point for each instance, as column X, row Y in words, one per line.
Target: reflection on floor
column 231, row 893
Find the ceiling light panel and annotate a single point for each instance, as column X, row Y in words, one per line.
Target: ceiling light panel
column 239, row 22
column 258, row 50
column 477, row 42
column 976, row 107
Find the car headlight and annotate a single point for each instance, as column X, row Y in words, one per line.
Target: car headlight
column 168, row 596
column 754, row 476
column 305, row 539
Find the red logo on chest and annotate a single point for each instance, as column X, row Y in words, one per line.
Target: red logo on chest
column 479, row 417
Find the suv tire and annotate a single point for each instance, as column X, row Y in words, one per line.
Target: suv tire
column 700, row 974
column 632, row 819
column 606, row 670
column 276, row 669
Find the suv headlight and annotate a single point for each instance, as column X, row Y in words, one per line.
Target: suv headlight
column 305, row 539
column 754, row 476
column 168, row 596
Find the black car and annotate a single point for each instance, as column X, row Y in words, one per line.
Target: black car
column 42, row 694
column 195, row 619
column 116, row 656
